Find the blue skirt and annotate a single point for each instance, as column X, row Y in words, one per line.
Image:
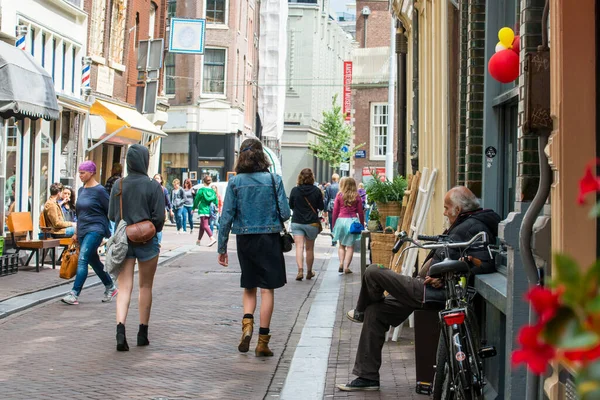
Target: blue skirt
column 341, row 232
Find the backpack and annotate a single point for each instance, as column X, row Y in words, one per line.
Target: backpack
column 331, row 197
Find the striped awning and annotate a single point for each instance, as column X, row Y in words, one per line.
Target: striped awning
column 26, row 89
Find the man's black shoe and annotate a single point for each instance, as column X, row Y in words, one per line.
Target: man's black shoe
column 355, row 316
column 359, row 384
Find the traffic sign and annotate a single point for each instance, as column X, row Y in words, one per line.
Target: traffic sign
column 345, row 149
column 344, row 166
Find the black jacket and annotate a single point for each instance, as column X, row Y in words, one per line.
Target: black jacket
column 464, row 228
column 143, row 197
column 303, row 214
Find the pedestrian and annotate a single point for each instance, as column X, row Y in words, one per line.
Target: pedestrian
column 205, row 196
column 346, row 208
column 143, row 200
column 115, row 175
column 92, row 227
column 255, row 206
column 188, row 205
column 177, row 201
column 168, row 208
column 331, row 192
column 306, row 200
column 68, row 204
column 215, row 210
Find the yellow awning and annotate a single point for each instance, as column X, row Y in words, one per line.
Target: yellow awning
column 130, row 122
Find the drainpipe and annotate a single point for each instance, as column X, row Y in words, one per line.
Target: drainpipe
column 366, row 11
column 414, row 134
column 401, row 50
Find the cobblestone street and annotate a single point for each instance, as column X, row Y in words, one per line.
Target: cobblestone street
column 55, row 351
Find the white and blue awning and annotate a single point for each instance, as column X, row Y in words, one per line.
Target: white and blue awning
column 275, row 167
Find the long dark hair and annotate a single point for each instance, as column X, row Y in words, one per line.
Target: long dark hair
column 252, row 158
column 71, row 197
column 187, row 184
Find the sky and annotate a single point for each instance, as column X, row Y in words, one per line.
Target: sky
column 340, row 6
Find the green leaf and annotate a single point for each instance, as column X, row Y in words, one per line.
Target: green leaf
column 595, row 211
column 588, row 382
column 555, row 328
column 593, row 306
column 591, row 281
column 568, row 274
column 566, row 331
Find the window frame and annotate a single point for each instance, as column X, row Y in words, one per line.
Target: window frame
column 225, row 66
column 372, row 131
column 217, row 25
column 97, row 29
column 116, row 51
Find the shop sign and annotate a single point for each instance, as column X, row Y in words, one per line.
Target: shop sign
column 347, row 103
column 368, row 172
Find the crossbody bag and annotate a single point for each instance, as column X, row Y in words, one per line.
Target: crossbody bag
column 286, row 239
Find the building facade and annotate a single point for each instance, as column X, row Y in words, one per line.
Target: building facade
column 317, row 49
column 212, row 96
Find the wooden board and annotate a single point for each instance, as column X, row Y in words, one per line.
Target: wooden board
column 408, row 208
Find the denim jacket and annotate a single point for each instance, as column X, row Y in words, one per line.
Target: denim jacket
column 249, row 207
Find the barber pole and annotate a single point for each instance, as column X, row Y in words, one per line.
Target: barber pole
column 21, row 42
column 85, row 75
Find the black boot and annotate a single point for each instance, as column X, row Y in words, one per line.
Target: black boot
column 121, row 339
column 142, row 338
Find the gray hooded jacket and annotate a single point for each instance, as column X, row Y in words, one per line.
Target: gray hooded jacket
column 143, row 197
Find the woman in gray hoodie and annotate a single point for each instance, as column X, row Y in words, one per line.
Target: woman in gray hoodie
column 143, row 200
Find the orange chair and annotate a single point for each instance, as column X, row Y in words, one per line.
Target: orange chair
column 64, row 242
column 20, row 226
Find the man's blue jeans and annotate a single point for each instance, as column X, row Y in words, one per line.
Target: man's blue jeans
column 179, row 217
column 187, row 214
column 88, row 254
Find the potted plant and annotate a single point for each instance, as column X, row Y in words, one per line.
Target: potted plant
column 387, row 195
column 373, row 225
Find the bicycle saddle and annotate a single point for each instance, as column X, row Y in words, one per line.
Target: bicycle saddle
column 447, row 265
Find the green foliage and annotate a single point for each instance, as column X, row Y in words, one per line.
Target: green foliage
column 588, row 382
column 386, row 191
column 374, row 215
column 337, row 134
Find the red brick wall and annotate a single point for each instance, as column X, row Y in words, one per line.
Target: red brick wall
column 363, row 98
column 378, row 24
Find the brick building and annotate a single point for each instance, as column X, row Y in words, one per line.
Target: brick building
column 212, row 96
column 370, row 79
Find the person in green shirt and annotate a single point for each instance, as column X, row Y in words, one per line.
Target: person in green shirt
column 205, row 196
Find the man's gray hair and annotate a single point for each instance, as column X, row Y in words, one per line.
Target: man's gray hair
column 462, row 197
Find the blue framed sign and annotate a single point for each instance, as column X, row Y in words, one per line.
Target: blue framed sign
column 360, row 154
column 187, row 36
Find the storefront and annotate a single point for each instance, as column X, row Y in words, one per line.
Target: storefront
column 29, row 126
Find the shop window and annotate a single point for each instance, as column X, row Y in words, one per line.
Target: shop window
column 98, row 17
column 216, row 11
column 214, row 71
column 117, row 30
column 508, row 157
column 9, row 165
column 379, row 121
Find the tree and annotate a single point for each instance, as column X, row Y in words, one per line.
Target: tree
column 337, row 135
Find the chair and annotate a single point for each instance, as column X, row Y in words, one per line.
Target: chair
column 20, row 226
column 65, row 242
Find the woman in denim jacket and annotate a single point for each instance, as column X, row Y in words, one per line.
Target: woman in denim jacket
column 250, row 213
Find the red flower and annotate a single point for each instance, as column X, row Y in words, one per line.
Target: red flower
column 588, row 184
column 544, row 301
column 535, row 353
column 583, row 356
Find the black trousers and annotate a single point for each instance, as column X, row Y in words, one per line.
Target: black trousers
column 406, row 295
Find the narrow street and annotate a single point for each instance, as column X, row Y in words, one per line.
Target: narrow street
column 55, row 351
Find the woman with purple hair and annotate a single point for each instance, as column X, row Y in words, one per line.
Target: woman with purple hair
column 92, row 227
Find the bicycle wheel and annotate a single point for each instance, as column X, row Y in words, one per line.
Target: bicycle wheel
column 442, row 379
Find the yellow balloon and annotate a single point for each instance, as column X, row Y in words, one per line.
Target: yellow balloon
column 506, row 36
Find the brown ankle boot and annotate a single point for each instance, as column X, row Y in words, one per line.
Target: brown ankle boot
column 262, row 348
column 247, row 328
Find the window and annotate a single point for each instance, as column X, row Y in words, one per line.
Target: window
column 214, row 71
column 32, row 42
column 170, row 73
column 117, row 30
column 73, row 53
column 43, row 49
column 215, row 11
column 98, row 18
column 64, row 64
column 53, row 57
column 152, row 20
column 244, row 83
column 379, row 120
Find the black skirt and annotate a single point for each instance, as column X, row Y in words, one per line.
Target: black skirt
column 261, row 261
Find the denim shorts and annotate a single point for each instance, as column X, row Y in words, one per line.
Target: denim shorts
column 144, row 252
column 307, row 230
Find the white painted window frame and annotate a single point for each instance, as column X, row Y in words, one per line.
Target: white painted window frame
column 215, row 95
column 219, row 25
column 372, row 130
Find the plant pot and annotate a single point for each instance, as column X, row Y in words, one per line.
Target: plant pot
column 392, row 208
column 373, row 226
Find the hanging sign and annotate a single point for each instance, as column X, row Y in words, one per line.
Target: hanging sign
column 347, row 101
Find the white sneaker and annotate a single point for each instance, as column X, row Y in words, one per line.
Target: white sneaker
column 212, row 243
column 109, row 294
column 70, row 299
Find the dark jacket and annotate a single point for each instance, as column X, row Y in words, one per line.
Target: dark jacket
column 143, row 197
column 303, row 214
column 464, row 228
column 331, row 192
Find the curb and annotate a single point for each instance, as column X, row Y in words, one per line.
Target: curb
column 22, row 302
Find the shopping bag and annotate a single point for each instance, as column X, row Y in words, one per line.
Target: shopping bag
column 70, row 258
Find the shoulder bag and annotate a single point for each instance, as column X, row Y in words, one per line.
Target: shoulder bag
column 318, row 225
column 141, row 232
column 356, row 227
column 286, row 239
column 70, row 259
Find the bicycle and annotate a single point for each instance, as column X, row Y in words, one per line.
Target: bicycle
column 459, row 373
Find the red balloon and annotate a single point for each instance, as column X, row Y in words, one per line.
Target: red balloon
column 504, row 66
column 516, row 46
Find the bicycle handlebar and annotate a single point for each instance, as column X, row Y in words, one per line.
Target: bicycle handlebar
column 480, row 237
column 426, row 238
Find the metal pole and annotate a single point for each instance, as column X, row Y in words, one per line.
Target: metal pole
column 401, row 50
column 389, row 151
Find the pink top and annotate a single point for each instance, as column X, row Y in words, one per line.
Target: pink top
column 340, row 210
